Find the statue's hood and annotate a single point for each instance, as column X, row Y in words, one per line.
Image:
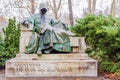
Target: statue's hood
column 43, row 5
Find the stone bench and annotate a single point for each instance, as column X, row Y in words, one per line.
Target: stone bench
column 77, row 43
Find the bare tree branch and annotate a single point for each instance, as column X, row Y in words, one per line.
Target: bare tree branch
column 55, row 8
column 59, row 4
column 70, row 11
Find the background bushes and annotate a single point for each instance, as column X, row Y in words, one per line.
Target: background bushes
column 102, row 34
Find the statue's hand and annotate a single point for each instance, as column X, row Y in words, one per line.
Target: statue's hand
column 37, row 30
column 25, row 23
column 45, row 27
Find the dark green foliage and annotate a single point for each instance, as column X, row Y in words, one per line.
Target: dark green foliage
column 110, row 66
column 102, row 34
column 2, row 49
column 10, row 45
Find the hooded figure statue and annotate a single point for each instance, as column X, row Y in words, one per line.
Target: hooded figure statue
column 52, row 36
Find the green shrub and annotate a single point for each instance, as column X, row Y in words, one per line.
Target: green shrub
column 2, row 49
column 10, row 45
column 102, row 34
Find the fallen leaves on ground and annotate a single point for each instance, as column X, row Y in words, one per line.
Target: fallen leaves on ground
column 2, row 71
column 113, row 76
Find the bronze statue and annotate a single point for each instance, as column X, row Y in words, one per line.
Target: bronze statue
column 52, row 36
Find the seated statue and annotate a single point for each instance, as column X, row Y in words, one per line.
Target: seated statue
column 52, row 36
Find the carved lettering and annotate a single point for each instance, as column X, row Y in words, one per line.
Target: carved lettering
column 32, row 68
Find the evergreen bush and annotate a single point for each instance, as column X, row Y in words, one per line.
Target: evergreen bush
column 10, row 45
column 102, row 34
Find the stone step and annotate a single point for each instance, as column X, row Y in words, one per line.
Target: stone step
column 51, row 68
column 63, row 56
column 53, row 56
column 2, row 77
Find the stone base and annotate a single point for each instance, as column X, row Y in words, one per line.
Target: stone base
column 68, row 56
column 51, row 67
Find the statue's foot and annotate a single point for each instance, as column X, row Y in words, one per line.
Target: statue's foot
column 47, row 51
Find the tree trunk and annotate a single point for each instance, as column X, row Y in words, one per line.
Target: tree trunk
column 89, row 6
column 93, row 6
column 32, row 6
column 112, row 11
column 70, row 12
column 55, row 9
column 55, row 14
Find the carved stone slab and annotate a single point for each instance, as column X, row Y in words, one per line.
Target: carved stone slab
column 50, row 68
column 69, row 56
column 74, row 41
column 56, row 56
column 24, row 37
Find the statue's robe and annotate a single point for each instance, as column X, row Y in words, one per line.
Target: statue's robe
column 52, row 36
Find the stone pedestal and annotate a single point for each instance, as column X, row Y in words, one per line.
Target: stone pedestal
column 76, row 63
column 52, row 66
